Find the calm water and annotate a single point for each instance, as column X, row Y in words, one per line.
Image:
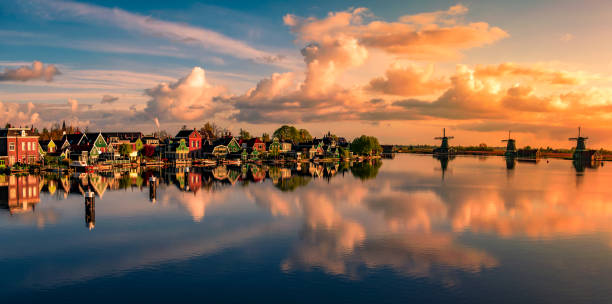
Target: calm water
column 412, row 229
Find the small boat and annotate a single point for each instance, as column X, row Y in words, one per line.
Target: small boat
column 81, row 166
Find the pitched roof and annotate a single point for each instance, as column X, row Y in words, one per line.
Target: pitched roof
column 185, row 133
column 223, row 141
column 73, row 139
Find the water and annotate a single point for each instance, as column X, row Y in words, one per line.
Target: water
column 412, row 229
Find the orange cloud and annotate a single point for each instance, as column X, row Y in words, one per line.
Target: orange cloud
column 407, row 81
column 189, row 98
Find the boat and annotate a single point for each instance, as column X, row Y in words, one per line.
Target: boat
column 80, row 166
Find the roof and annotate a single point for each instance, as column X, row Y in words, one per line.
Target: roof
column 223, row 141
column 15, row 132
column 44, row 143
column 186, row 133
column 72, row 139
column 122, row 135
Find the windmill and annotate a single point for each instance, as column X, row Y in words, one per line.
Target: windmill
column 511, row 146
column 444, row 147
column 580, row 142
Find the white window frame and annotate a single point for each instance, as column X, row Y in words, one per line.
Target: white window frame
column 11, row 146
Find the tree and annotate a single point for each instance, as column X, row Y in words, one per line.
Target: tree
column 125, row 149
column 286, row 132
column 304, row 136
column 366, row 145
column 265, row 137
column 244, row 134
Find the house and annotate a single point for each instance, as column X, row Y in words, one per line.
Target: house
column 99, row 141
column 88, row 153
column 47, row 146
column 193, row 139
column 274, row 147
column 73, row 139
column 150, row 141
column 176, row 151
column 253, row 143
column 19, row 145
column 286, row 146
column 222, row 147
column 307, row 149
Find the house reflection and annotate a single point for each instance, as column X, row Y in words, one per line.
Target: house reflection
column 19, row 194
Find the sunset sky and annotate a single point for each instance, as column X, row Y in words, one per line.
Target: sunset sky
column 399, row 70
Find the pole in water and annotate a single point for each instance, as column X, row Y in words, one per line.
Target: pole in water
column 152, row 188
column 90, row 210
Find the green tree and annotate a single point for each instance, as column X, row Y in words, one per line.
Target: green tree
column 125, row 149
column 366, row 145
column 286, row 132
column 366, row 170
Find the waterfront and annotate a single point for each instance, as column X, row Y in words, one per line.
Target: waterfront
column 412, row 228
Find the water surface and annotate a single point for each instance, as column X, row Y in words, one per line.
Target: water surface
column 412, row 228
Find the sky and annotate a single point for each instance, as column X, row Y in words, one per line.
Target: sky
column 398, row 70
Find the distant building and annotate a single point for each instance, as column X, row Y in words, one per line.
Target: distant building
column 193, row 139
column 19, row 145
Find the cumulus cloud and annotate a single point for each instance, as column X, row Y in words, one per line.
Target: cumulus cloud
column 407, row 81
column 36, row 71
column 343, row 40
column 18, row 114
column 109, row 99
column 74, row 104
column 475, row 97
column 189, row 98
column 431, row 36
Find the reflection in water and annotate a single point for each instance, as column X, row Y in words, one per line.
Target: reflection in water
column 444, row 159
column 339, row 219
column 90, row 211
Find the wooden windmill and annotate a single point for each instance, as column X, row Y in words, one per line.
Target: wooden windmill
column 580, row 142
column 444, row 147
column 511, row 146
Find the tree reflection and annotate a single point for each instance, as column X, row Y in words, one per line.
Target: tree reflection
column 366, row 170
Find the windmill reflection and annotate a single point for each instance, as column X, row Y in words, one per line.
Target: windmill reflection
column 444, row 159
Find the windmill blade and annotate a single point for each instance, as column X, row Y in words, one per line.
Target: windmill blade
column 450, row 137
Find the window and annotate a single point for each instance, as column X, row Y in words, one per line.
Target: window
column 29, row 146
column 23, row 146
column 12, row 146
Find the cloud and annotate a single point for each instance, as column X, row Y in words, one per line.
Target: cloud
column 407, row 81
column 36, row 71
column 18, row 114
column 109, row 99
column 176, row 32
column 189, row 98
column 537, row 73
column 430, row 36
column 74, row 104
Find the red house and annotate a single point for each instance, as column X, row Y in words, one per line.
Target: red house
column 253, row 143
column 19, row 145
column 193, row 140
